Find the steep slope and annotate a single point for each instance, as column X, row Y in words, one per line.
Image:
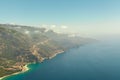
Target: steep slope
column 20, row 45
column 17, row 49
column 14, row 51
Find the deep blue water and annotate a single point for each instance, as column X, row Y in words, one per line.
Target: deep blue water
column 96, row 61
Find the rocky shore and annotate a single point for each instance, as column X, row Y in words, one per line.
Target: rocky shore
column 25, row 68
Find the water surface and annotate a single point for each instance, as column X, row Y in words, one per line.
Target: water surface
column 96, row 61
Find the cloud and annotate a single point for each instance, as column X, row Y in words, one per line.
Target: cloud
column 45, row 25
column 27, row 32
column 53, row 26
column 64, row 27
column 12, row 23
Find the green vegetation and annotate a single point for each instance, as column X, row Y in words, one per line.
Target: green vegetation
column 20, row 45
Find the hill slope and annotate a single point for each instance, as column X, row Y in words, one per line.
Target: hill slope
column 20, row 45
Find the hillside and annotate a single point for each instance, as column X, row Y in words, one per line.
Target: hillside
column 20, row 45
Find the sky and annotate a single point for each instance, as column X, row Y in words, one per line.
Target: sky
column 87, row 17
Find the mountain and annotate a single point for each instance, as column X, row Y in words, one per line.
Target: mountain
column 20, row 45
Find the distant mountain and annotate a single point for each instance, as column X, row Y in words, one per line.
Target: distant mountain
column 20, row 45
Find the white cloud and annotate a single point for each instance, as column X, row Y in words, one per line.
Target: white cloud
column 64, row 27
column 45, row 25
column 12, row 23
column 46, row 30
column 27, row 32
column 53, row 26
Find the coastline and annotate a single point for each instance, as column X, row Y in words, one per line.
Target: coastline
column 56, row 54
column 25, row 68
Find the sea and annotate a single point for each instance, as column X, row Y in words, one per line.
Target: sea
column 99, row 60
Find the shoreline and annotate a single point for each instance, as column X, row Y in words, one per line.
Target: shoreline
column 56, row 54
column 25, row 68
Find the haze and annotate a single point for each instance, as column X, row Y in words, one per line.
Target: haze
column 87, row 17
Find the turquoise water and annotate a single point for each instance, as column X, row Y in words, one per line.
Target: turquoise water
column 96, row 61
